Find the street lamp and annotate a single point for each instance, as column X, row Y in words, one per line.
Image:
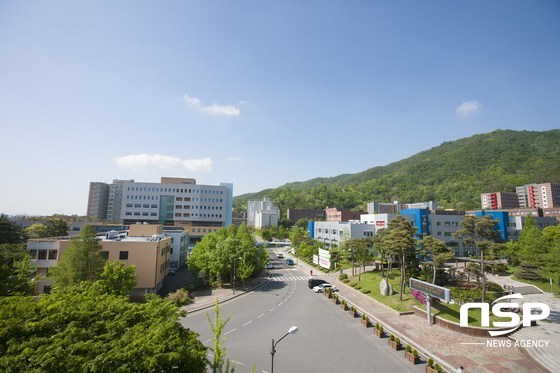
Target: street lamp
column 233, row 281
column 292, row 330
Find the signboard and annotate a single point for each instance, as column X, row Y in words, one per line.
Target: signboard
column 315, row 259
column 430, row 289
column 380, row 223
column 325, row 259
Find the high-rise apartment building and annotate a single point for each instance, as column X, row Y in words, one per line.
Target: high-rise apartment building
column 499, row 200
column 544, row 195
column 97, row 201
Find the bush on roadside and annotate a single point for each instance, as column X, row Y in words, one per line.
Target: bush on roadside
column 181, row 297
column 342, row 276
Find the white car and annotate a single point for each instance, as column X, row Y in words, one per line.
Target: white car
column 321, row 288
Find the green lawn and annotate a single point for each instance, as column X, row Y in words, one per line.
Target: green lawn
column 370, row 281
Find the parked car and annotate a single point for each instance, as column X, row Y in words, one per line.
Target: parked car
column 312, row 282
column 280, row 255
column 269, row 266
column 172, row 271
column 289, row 262
column 321, row 288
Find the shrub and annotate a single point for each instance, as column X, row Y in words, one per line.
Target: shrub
column 346, row 280
column 431, row 362
column 342, row 276
column 439, row 369
column 376, row 325
column 180, row 297
column 353, row 284
column 398, row 340
column 392, row 337
column 380, row 328
column 415, row 353
column 408, row 348
column 367, row 291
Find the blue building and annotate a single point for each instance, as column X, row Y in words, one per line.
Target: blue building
column 503, row 221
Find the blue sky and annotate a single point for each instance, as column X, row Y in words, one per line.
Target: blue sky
column 257, row 93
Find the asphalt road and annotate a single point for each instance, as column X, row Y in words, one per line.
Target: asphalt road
column 328, row 339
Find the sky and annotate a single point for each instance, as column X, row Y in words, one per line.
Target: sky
column 257, row 93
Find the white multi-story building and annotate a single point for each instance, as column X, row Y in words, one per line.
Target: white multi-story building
column 544, row 195
column 333, row 233
column 200, row 209
column 262, row 213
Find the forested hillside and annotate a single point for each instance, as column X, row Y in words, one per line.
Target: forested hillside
column 453, row 173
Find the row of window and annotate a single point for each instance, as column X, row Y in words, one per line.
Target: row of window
column 43, row 254
column 174, row 190
column 188, row 214
column 138, row 213
column 448, row 223
column 204, row 207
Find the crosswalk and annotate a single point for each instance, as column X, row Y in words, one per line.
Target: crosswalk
column 289, row 278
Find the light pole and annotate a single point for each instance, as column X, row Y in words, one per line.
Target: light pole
column 292, row 330
column 233, row 280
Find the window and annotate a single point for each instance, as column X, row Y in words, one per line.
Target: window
column 52, row 254
column 123, row 255
column 105, row 255
column 137, row 205
column 154, row 206
column 128, row 213
column 129, row 205
column 146, row 205
column 42, row 255
column 33, row 254
column 153, row 213
column 144, row 214
column 137, row 213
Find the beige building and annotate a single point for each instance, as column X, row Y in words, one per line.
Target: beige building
column 143, row 245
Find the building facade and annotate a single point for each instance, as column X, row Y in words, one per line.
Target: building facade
column 336, row 214
column 294, row 215
column 262, row 213
column 544, row 195
column 143, row 246
column 499, row 201
column 200, row 209
column 336, row 233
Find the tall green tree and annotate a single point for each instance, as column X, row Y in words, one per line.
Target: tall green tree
column 220, row 362
column 83, row 330
column 359, row 250
column 533, row 245
column 10, row 232
column 15, row 270
column 479, row 231
column 117, row 278
column 437, row 252
column 57, row 227
column 37, row 230
column 399, row 241
column 82, row 261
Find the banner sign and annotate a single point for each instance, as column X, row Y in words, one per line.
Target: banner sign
column 430, row 289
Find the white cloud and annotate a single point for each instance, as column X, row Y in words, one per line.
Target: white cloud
column 468, row 107
column 234, row 159
column 164, row 162
column 214, row 109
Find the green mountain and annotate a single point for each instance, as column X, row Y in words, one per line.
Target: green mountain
column 454, row 174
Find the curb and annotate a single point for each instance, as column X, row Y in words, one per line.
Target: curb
column 225, row 299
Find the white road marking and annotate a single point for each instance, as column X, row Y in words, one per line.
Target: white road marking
column 232, row 330
column 261, row 315
column 247, row 323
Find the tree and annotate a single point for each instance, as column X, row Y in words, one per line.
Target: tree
column 15, row 270
column 117, row 279
column 399, row 241
column 82, row 261
column 37, row 230
column 479, row 232
column 533, row 245
column 84, row 330
column 10, row 232
column 360, row 251
column 219, row 351
column 381, row 250
column 437, row 252
column 57, row 228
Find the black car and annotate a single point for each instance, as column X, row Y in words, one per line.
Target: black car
column 312, row 282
